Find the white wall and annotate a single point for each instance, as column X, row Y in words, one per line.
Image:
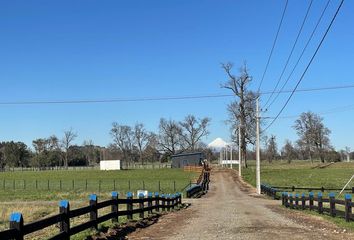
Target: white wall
column 110, row 165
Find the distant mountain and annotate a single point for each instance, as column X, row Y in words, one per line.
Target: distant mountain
column 217, row 144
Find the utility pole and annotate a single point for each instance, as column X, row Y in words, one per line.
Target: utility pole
column 258, row 157
column 239, row 151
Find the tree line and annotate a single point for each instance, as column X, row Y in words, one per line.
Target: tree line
column 131, row 144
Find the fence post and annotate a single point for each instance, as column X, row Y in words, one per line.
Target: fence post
column 157, row 206
column 320, row 202
column 286, row 195
column 163, row 202
column 296, row 200
column 282, row 199
column 173, row 201
column 129, row 205
column 93, row 212
column 159, row 186
column 115, row 206
column 348, row 207
column 332, row 205
column 168, row 199
column 291, row 201
column 150, row 203
column 141, row 205
column 303, row 201
column 311, row 200
column 64, row 209
column 16, row 222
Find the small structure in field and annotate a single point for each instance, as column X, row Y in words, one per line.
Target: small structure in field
column 110, row 165
column 187, row 159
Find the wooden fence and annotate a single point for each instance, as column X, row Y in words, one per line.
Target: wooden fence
column 152, row 202
column 312, row 202
column 309, row 189
column 197, row 169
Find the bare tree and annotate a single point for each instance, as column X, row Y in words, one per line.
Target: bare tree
column 89, row 151
column 170, row 136
column 141, row 137
column 123, row 139
column 69, row 137
column 347, row 151
column 271, row 149
column 288, row 151
column 241, row 111
column 193, row 130
column 312, row 131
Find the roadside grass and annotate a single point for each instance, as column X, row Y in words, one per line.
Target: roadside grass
column 303, row 174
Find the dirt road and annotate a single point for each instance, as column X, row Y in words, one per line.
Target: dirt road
column 232, row 211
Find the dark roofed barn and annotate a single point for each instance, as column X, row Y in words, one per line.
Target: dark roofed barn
column 187, row 159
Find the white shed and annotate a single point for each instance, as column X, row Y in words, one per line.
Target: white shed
column 110, row 165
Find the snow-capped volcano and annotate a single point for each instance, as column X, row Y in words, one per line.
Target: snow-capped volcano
column 217, row 144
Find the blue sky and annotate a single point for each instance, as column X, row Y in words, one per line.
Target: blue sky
column 55, row 50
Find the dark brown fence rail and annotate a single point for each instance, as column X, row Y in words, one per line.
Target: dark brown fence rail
column 153, row 202
column 314, row 203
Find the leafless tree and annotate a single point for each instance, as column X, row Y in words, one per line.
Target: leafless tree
column 271, row 149
column 311, row 130
column 288, row 151
column 193, row 130
column 89, row 151
column 242, row 110
column 69, row 137
column 123, row 139
column 141, row 137
column 170, row 136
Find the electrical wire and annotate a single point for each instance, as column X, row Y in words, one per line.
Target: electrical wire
column 326, row 112
column 308, row 65
column 301, row 55
column 291, row 52
column 273, row 46
column 146, row 99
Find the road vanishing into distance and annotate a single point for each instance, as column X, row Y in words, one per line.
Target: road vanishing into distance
column 232, row 210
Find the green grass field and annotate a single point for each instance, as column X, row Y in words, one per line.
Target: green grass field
column 73, row 185
column 304, row 174
column 301, row 174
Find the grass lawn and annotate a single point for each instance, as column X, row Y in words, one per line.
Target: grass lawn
column 78, row 184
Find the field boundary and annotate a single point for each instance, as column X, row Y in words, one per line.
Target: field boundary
column 148, row 203
column 303, row 202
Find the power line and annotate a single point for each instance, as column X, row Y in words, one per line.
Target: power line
column 146, row 99
column 302, row 53
column 326, row 112
column 291, row 52
column 275, row 40
column 308, row 65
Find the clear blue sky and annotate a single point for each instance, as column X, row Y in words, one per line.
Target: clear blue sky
column 54, row 50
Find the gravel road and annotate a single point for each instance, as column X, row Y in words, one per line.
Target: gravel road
column 231, row 210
